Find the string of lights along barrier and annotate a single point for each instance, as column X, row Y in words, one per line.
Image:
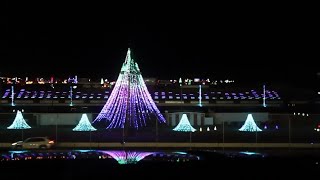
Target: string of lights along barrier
column 130, row 101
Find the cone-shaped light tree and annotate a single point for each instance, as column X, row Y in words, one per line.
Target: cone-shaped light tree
column 19, row 122
column 84, row 124
column 250, row 125
column 130, row 103
column 184, row 125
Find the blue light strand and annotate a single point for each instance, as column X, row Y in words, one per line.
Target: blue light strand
column 200, row 98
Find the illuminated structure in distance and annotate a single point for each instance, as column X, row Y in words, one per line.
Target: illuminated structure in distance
column 249, row 125
column 19, row 122
column 130, row 157
column 184, row 125
column 130, row 103
column 84, row 124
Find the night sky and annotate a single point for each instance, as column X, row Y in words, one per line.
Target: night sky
column 91, row 40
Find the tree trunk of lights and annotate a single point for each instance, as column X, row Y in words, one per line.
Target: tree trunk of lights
column 125, row 125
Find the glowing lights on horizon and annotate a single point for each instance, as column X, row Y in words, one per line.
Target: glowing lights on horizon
column 300, row 114
column 19, row 122
column 48, row 94
column 130, row 101
column 84, row 124
column 184, row 125
column 249, row 125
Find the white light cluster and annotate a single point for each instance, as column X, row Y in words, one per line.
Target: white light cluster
column 249, row 125
column 184, row 125
column 84, row 124
column 19, row 122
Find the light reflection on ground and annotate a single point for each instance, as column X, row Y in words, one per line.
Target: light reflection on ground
column 121, row 156
column 249, row 153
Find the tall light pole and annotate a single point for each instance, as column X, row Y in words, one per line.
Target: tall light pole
column 71, row 102
column 200, row 98
column 264, row 96
column 52, row 86
column 12, row 96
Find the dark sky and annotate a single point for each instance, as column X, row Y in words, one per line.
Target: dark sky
column 91, row 40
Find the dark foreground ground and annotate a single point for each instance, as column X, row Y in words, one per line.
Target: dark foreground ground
column 211, row 165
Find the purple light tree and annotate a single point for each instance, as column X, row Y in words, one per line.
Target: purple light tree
column 130, row 103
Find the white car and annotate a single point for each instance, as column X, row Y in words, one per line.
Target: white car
column 34, row 143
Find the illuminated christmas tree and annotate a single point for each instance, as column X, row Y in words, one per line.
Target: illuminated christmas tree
column 84, row 124
column 19, row 122
column 250, row 125
column 130, row 157
column 130, row 103
column 184, row 125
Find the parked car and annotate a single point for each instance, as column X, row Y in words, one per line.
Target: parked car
column 34, row 143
